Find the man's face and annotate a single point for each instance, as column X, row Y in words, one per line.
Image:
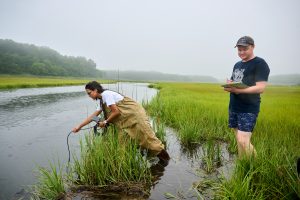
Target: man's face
column 245, row 53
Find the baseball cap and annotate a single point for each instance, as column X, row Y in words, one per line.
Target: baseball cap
column 245, row 41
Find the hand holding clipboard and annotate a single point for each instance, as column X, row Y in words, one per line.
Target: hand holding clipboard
column 239, row 85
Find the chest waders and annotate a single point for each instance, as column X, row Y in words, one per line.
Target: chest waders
column 134, row 122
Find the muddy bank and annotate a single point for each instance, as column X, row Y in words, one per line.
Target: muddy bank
column 116, row 191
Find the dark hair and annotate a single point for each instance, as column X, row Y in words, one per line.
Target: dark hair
column 94, row 85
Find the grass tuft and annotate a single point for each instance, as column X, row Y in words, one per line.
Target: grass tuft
column 50, row 184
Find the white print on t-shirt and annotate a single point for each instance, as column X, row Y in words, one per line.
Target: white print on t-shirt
column 238, row 75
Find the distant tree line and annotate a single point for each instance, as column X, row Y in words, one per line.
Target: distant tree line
column 155, row 76
column 18, row 58
column 285, row 79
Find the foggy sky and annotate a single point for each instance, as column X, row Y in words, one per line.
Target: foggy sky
column 193, row 37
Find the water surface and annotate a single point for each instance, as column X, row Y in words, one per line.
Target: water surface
column 34, row 124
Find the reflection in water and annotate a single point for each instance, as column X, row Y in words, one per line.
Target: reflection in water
column 36, row 100
column 191, row 150
column 27, row 108
column 157, row 170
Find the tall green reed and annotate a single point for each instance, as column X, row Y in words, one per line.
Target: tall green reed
column 106, row 161
column 158, row 124
column 103, row 161
column 260, row 179
column 159, row 129
column 50, row 183
column 196, row 117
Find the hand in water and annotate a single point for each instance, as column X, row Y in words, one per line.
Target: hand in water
column 76, row 129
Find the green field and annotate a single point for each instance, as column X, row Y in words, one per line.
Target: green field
column 200, row 112
column 10, row 82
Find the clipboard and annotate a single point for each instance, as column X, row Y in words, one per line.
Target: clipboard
column 235, row 85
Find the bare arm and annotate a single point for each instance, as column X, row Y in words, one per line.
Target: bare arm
column 86, row 121
column 256, row 89
column 114, row 114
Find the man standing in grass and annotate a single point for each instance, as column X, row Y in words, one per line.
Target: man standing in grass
column 245, row 102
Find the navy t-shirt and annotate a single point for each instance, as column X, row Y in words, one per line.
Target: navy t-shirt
column 249, row 73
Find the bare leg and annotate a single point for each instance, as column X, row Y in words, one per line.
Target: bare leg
column 238, row 144
column 244, row 144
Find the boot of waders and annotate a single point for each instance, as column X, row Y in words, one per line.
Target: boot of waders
column 163, row 155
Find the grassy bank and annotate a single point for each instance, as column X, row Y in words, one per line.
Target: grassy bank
column 10, row 82
column 104, row 165
column 200, row 112
column 197, row 111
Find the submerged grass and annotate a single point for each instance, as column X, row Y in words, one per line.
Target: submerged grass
column 200, row 113
column 211, row 158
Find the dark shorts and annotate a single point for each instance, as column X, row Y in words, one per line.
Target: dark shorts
column 242, row 121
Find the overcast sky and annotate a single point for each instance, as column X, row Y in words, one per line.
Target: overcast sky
column 194, row 37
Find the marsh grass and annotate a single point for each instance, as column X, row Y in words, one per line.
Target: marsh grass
column 160, row 130
column 212, row 156
column 50, row 183
column 199, row 112
column 104, row 164
column 105, row 161
column 11, row 82
column 158, row 123
column 189, row 109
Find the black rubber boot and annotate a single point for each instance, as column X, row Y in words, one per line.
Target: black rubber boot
column 163, row 155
